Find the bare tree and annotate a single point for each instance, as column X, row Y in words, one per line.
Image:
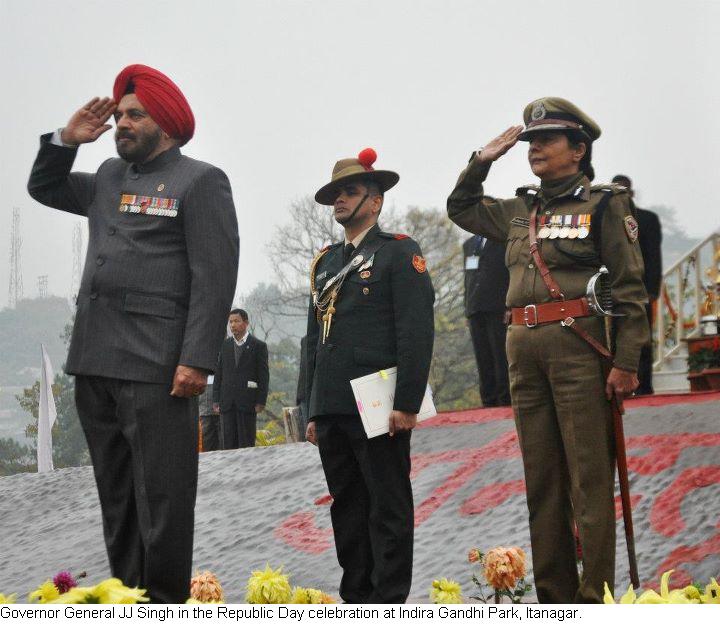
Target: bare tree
column 292, row 249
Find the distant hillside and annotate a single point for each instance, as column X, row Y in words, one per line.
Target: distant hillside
column 23, row 329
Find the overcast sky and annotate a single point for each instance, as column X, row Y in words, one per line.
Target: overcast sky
column 282, row 89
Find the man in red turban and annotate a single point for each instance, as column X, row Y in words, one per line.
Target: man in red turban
column 152, row 309
column 162, row 99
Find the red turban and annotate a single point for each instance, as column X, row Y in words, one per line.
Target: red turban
column 162, row 99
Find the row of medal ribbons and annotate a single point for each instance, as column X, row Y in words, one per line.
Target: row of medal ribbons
column 564, row 226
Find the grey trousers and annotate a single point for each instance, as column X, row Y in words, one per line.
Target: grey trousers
column 144, row 448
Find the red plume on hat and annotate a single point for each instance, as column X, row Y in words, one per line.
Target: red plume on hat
column 352, row 168
column 160, row 96
column 367, row 158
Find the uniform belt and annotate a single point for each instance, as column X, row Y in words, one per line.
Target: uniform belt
column 532, row 315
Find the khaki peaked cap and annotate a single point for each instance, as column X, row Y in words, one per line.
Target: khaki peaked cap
column 557, row 114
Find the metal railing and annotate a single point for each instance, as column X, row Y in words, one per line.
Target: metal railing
column 690, row 289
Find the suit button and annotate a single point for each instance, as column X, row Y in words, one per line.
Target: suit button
column 366, row 291
column 112, row 230
column 93, row 295
column 99, row 260
column 531, row 266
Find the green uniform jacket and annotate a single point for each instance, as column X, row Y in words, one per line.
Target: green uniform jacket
column 571, row 261
column 381, row 321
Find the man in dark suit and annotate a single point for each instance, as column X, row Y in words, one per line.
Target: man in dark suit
column 650, row 240
column 372, row 309
column 159, row 278
column 241, row 383
column 486, row 286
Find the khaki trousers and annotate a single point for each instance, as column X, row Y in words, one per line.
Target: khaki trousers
column 564, row 425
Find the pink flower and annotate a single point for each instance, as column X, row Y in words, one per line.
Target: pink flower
column 475, row 555
column 64, row 581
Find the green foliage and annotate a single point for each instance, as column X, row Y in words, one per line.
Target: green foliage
column 69, row 446
column 16, row 458
column 705, row 358
column 271, row 434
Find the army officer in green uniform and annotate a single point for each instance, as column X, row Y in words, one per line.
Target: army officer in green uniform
column 372, row 309
column 560, row 390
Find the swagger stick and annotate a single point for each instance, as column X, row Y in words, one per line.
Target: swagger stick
column 623, row 481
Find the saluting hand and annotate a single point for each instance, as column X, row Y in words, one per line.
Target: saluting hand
column 401, row 421
column 87, row 124
column 188, row 381
column 501, row 144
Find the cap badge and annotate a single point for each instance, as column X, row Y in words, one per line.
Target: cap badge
column 538, row 111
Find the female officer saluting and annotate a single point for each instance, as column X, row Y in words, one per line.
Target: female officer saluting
column 560, row 391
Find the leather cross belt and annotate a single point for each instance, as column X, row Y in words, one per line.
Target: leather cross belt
column 537, row 314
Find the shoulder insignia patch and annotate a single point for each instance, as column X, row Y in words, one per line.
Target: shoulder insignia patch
column 530, row 189
column 616, row 189
column 419, row 263
column 631, row 228
column 401, row 236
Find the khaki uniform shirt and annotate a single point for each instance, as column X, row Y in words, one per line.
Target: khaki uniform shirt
column 571, row 261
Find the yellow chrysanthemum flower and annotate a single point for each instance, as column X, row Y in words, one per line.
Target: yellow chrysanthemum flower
column 691, row 592
column 712, row 593
column 268, row 587
column 109, row 591
column 45, row 594
column 78, row 595
column 113, row 591
column 687, row 595
column 445, row 591
column 7, row 599
column 608, row 597
column 311, row 596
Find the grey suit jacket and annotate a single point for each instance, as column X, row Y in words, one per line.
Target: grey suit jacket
column 161, row 263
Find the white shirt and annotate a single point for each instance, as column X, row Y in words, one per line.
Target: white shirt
column 356, row 241
column 241, row 342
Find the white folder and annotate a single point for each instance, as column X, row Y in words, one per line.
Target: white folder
column 375, row 394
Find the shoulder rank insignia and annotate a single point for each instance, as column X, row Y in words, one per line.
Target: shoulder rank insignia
column 419, row 263
column 530, row 189
column 401, row 236
column 631, row 228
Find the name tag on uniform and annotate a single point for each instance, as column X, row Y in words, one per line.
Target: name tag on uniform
column 252, row 384
column 472, row 263
column 153, row 206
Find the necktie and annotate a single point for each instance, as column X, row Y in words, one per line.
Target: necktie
column 347, row 252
